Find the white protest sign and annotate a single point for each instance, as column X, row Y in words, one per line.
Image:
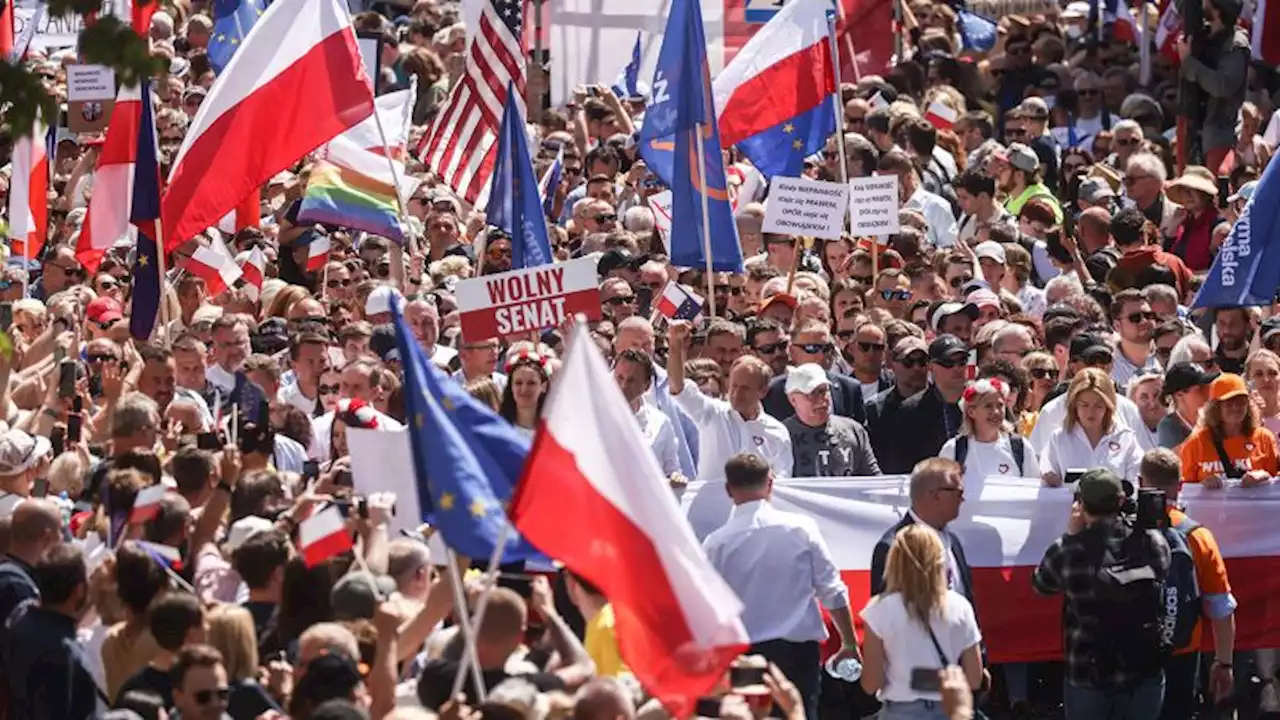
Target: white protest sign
column 797, row 206
column 660, row 204
column 382, row 461
column 90, row 83
column 873, row 205
column 521, row 301
column 50, row 32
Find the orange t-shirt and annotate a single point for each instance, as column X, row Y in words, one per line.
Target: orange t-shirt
column 1211, row 572
column 1200, row 458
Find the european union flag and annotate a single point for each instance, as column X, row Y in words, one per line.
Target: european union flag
column 976, row 31
column 514, row 203
column 232, row 21
column 1246, row 270
column 145, row 216
column 550, row 181
column 681, row 106
column 466, row 458
column 628, row 83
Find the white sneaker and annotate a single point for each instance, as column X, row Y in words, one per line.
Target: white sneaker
column 1270, row 700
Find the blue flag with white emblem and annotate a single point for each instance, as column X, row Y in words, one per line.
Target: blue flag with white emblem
column 466, row 458
column 681, row 106
column 1246, row 270
column 232, row 21
column 515, row 204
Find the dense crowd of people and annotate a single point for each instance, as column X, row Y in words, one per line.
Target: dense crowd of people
column 1031, row 318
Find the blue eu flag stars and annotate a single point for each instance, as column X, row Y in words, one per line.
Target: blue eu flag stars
column 466, row 458
column 232, row 21
column 144, row 214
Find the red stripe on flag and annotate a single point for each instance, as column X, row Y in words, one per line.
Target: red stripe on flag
column 773, row 96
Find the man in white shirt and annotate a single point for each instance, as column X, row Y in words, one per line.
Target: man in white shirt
column 308, row 358
column 423, row 318
column 724, row 428
column 633, row 371
column 1087, row 350
column 779, row 566
column 1133, row 319
column 911, row 193
column 231, row 348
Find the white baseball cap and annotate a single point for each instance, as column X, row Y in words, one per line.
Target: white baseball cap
column 806, row 378
column 19, row 451
column 991, row 250
column 245, row 528
column 379, row 301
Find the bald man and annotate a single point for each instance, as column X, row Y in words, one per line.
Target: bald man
column 35, row 527
column 1093, row 235
column 603, row 699
column 636, row 333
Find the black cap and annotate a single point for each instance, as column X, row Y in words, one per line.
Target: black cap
column 1100, row 487
column 271, row 337
column 1184, row 376
column 1088, row 346
column 619, row 257
column 331, row 675
column 383, row 341
column 1270, row 326
column 944, row 346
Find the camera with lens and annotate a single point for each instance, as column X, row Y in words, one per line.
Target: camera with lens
column 1145, row 509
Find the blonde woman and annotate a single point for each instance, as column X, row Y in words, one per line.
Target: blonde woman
column 1090, row 437
column 917, row 623
column 1147, row 392
column 231, row 633
column 1042, row 369
column 987, row 444
column 1263, row 371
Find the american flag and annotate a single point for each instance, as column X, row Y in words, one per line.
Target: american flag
column 462, row 142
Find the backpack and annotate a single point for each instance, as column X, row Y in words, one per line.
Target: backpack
column 1182, row 605
column 1130, row 612
column 1016, row 445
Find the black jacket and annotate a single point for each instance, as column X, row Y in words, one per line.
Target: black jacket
column 881, row 554
column 882, row 413
column 49, row 677
column 931, row 421
column 846, row 398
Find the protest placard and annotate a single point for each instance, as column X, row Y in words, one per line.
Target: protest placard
column 813, row 208
column 660, row 204
column 46, row 31
column 873, row 205
column 534, row 298
column 91, row 93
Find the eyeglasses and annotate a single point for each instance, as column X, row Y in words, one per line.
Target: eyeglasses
column 498, row 252
column 959, row 280
column 204, row 697
column 1138, row 317
column 917, row 362
column 895, row 295
column 327, row 389
column 336, row 283
column 1088, row 92
column 733, row 290
column 861, row 279
column 620, row 300
column 73, row 271
column 871, row 346
column 949, row 364
column 1126, row 142
column 604, row 218
column 1042, row 373
column 771, row 348
column 959, row 491
column 813, row 348
column 92, row 359
column 1135, row 179
column 845, row 334
column 108, row 284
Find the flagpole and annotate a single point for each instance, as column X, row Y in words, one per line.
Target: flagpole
column 397, row 253
column 468, row 634
column 164, row 295
column 706, row 220
column 491, row 575
column 835, row 101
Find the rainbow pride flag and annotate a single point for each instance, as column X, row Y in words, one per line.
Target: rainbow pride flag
column 355, row 188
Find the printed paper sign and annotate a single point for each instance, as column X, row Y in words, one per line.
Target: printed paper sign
column 805, row 207
column 88, row 83
column 521, row 301
column 660, row 204
column 873, row 205
column 47, row 32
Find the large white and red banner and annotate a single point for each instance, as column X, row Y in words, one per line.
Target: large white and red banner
column 521, row 301
column 1005, row 526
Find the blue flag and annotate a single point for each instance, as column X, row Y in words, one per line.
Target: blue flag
column 466, row 458
column 514, row 203
column 628, row 83
column 1246, row 270
column 232, row 20
column 976, row 31
column 144, row 216
column 549, row 183
column 681, row 105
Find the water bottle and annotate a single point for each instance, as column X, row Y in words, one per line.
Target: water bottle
column 848, row 669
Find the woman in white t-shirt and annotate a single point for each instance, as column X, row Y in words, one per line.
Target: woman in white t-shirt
column 1090, row 437
column 986, row 444
column 917, row 624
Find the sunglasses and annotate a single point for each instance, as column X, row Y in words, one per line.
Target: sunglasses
column 861, row 279
column 338, row 283
column 1125, row 142
column 108, row 284
column 871, row 346
column 204, row 697
column 771, row 348
column 92, row 359
column 620, row 300
column 70, row 271
column 1138, row 317
column 814, row 348
column 728, row 290
column 917, row 362
column 959, row 280
column 846, row 334
column 1015, row 132
column 950, row 364
column 327, row 389
column 1089, row 92
column 1042, row 373
column 605, row 218
column 895, row 294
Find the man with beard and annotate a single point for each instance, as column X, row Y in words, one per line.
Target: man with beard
column 864, row 348
column 1133, row 319
column 1235, row 330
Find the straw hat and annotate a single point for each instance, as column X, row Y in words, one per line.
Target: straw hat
column 1195, row 177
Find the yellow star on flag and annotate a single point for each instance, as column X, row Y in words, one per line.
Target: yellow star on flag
column 234, row 41
column 478, row 508
column 797, row 144
column 446, row 403
column 788, row 128
column 418, row 420
column 446, row 501
column 143, row 260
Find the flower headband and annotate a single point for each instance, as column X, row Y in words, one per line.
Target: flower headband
column 983, row 386
column 529, row 357
column 357, row 413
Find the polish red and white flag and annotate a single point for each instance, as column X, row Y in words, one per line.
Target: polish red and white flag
column 214, row 264
column 264, row 112
column 323, row 535
column 253, row 268
column 678, row 622
column 29, row 192
column 107, row 218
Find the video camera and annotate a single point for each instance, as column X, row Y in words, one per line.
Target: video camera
column 1145, row 509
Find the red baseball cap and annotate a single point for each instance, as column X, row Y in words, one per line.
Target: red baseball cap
column 104, row 310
